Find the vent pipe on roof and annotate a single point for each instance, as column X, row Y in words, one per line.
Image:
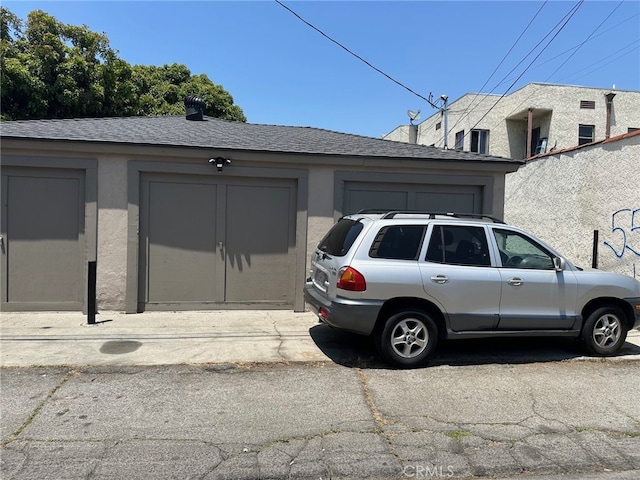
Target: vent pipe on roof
column 609, row 97
column 195, row 108
column 413, row 133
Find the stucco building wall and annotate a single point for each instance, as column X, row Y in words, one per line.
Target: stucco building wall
column 562, row 198
column 112, row 232
column 556, row 110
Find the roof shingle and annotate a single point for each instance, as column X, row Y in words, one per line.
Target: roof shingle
column 224, row 134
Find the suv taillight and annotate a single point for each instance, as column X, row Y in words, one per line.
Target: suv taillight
column 351, row 279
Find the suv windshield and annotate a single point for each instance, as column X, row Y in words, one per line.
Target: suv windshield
column 339, row 239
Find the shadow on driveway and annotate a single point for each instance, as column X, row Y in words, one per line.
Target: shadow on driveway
column 356, row 351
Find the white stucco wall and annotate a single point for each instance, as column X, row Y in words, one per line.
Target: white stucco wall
column 465, row 113
column 556, row 110
column 563, row 198
column 400, row 134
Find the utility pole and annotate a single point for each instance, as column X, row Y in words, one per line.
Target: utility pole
column 445, row 113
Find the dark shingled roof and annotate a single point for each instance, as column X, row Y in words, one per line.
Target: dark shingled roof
column 223, row 134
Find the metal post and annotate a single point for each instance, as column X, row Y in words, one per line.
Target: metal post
column 91, row 293
column 446, row 120
column 594, row 255
column 529, row 131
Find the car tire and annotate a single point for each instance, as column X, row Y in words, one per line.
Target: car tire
column 605, row 331
column 408, row 338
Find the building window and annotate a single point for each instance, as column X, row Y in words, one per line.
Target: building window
column 460, row 140
column 438, row 125
column 588, row 104
column 480, row 141
column 586, row 134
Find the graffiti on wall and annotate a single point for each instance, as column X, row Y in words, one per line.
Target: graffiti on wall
column 625, row 234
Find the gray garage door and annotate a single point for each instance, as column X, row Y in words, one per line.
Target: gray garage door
column 433, row 198
column 216, row 243
column 42, row 243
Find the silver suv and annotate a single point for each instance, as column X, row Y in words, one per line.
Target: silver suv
column 412, row 278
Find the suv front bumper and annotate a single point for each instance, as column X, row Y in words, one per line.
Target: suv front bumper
column 358, row 316
column 635, row 308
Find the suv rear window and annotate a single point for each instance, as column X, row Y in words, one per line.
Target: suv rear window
column 398, row 242
column 339, row 239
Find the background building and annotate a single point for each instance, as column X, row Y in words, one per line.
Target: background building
column 537, row 118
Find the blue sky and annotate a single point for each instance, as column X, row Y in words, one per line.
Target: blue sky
column 281, row 71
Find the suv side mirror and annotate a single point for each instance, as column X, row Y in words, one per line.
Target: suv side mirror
column 559, row 264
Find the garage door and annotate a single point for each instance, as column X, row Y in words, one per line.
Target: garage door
column 42, row 244
column 432, row 198
column 216, row 243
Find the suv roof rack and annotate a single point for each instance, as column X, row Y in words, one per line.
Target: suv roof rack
column 432, row 215
column 378, row 211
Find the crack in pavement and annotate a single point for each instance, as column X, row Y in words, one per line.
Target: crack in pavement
column 36, row 411
column 533, row 442
column 274, row 323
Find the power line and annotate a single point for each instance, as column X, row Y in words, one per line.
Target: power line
column 572, row 12
column 585, row 41
column 505, row 80
column 591, row 38
column 357, row 56
column 611, row 58
column 575, row 47
column 468, row 109
column 499, row 65
column 564, row 19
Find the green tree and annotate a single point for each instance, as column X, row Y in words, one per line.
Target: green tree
column 53, row 70
column 162, row 91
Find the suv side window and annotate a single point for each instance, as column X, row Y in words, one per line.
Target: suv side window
column 458, row 245
column 398, row 242
column 518, row 251
column 339, row 239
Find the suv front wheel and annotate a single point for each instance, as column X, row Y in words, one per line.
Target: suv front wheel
column 408, row 338
column 605, row 331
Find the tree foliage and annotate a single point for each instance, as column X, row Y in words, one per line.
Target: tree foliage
column 53, row 70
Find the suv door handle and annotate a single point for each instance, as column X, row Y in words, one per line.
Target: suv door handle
column 440, row 279
column 515, row 281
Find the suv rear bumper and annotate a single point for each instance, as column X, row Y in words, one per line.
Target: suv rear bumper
column 358, row 316
column 635, row 308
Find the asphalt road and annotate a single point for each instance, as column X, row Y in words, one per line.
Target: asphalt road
column 350, row 418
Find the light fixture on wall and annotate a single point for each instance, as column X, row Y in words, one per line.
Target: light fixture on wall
column 220, row 163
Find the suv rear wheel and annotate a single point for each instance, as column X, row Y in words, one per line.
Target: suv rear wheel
column 408, row 338
column 605, row 331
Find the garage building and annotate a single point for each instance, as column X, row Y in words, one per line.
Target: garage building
column 207, row 214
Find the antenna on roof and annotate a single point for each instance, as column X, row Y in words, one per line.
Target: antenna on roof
column 413, row 116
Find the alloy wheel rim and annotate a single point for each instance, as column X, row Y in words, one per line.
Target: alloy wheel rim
column 606, row 331
column 409, row 338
